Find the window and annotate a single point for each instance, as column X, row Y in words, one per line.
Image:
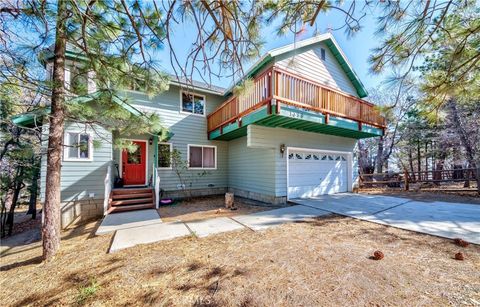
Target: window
column 192, row 103
column 135, row 157
column 202, row 157
column 78, row 81
column 78, row 146
column 164, row 155
column 322, row 54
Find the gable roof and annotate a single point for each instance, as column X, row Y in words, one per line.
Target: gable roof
column 34, row 118
column 266, row 59
column 196, row 85
column 331, row 43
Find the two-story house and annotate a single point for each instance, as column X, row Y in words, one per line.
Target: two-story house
column 291, row 135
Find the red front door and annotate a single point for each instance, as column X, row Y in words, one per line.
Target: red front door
column 133, row 165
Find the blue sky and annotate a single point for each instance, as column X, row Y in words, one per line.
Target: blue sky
column 357, row 48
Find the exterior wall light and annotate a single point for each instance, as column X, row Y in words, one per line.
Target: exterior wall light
column 282, row 149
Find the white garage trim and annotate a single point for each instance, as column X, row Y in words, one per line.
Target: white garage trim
column 348, row 154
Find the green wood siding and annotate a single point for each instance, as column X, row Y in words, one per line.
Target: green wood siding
column 79, row 178
column 251, row 169
column 271, row 138
column 307, row 62
column 186, row 129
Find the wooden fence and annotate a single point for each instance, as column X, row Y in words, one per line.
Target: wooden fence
column 434, row 177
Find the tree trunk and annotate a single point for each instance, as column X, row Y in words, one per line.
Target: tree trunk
column 419, row 161
column 379, row 161
column 410, row 162
column 51, row 211
column 32, row 206
column 16, row 192
column 426, row 160
column 7, row 202
column 8, row 207
column 462, row 133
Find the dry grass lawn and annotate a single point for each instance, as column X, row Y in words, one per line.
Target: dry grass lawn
column 321, row 262
column 207, row 207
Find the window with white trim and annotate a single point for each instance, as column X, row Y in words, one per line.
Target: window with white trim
column 203, row 157
column 78, row 146
column 192, row 103
column 164, row 155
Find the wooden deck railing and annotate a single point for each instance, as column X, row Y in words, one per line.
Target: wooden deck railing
column 297, row 91
column 251, row 99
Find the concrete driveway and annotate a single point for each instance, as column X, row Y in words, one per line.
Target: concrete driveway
column 449, row 220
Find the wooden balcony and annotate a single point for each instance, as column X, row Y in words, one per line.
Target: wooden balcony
column 277, row 89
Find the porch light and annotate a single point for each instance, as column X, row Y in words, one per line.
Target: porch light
column 282, row 149
column 150, row 141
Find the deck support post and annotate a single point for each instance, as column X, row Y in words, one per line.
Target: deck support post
column 477, row 176
column 405, row 179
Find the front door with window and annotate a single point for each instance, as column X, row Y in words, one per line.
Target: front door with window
column 134, row 165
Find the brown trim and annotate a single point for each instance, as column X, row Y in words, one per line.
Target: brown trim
column 325, row 112
column 276, row 68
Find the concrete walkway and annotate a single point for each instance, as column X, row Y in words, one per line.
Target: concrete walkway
column 126, row 220
column 128, row 235
column 449, row 220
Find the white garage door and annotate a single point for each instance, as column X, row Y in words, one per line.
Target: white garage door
column 313, row 173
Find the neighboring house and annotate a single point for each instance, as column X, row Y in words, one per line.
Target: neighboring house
column 292, row 135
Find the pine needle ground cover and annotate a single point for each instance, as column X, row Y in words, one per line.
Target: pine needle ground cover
column 323, row 261
column 208, row 207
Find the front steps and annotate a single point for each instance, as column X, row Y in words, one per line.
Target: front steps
column 128, row 199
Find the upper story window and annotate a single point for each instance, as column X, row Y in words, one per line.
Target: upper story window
column 78, row 81
column 78, row 147
column 192, row 103
column 322, row 54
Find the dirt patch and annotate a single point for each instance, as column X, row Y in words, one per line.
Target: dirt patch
column 426, row 196
column 207, row 207
column 324, row 261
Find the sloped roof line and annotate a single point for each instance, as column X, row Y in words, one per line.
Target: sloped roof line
column 332, row 44
column 35, row 117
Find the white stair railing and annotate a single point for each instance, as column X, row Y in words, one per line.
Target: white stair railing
column 156, row 186
column 108, row 182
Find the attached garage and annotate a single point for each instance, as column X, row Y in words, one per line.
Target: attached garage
column 315, row 172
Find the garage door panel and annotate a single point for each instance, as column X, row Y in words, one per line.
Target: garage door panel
column 316, row 173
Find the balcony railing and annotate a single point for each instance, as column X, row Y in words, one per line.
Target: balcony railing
column 297, row 91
